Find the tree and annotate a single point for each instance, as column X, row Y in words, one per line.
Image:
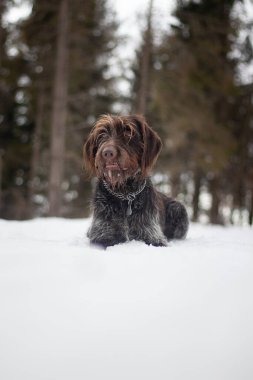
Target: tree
column 88, row 89
column 59, row 111
column 92, row 90
column 39, row 36
column 144, row 67
column 15, row 128
column 196, row 92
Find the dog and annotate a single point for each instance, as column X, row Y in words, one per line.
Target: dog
column 121, row 151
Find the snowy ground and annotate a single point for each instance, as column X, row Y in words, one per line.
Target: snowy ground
column 133, row 312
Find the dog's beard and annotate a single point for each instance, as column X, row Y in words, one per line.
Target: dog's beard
column 116, row 177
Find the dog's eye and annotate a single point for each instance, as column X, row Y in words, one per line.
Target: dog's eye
column 128, row 132
column 100, row 138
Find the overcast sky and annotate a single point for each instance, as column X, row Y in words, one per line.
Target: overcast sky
column 126, row 9
column 130, row 15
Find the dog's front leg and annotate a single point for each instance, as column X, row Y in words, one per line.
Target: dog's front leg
column 153, row 235
column 105, row 233
column 147, row 229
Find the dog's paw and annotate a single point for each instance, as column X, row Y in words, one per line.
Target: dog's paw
column 157, row 243
column 104, row 243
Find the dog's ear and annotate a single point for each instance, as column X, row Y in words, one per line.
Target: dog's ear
column 151, row 142
column 89, row 153
column 91, row 146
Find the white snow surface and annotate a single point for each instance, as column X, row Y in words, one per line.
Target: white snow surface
column 132, row 312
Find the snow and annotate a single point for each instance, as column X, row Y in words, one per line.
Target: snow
column 69, row 311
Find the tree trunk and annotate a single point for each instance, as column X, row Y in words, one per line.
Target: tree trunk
column 145, row 65
column 251, row 209
column 59, row 113
column 175, row 185
column 196, row 194
column 1, row 176
column 215, row 217
column 35, row 162
column 2, row 7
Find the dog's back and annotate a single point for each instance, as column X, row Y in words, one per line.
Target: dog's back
column 174, row 218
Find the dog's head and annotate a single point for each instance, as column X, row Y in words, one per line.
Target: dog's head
column 119, row 148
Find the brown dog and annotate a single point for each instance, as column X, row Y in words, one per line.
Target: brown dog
column 120, row 152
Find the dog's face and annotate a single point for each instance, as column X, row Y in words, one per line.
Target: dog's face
column 119, row 148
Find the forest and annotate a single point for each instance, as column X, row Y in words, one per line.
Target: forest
column 60, row 69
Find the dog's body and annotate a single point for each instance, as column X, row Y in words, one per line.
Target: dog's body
column 121, row 151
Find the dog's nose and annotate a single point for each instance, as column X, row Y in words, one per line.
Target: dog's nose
column 109, row 153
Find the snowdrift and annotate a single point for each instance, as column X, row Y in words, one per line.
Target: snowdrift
column 69, row 311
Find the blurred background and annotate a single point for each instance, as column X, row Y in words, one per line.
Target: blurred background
column 187, row 65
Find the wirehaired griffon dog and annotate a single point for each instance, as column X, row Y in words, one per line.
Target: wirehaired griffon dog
column 120, row 152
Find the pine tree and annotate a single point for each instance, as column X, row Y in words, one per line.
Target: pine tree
column 2, row 53
column 59, row 110
column 93, row 38
column 39, row 36
column 143, row 71
column 195, row 91
column 144, row 67
column 89, row 92
column 15, row 125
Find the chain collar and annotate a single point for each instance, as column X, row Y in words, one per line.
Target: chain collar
column 130, row 197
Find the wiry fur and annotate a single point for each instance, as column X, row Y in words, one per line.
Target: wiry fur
column 155, row 218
